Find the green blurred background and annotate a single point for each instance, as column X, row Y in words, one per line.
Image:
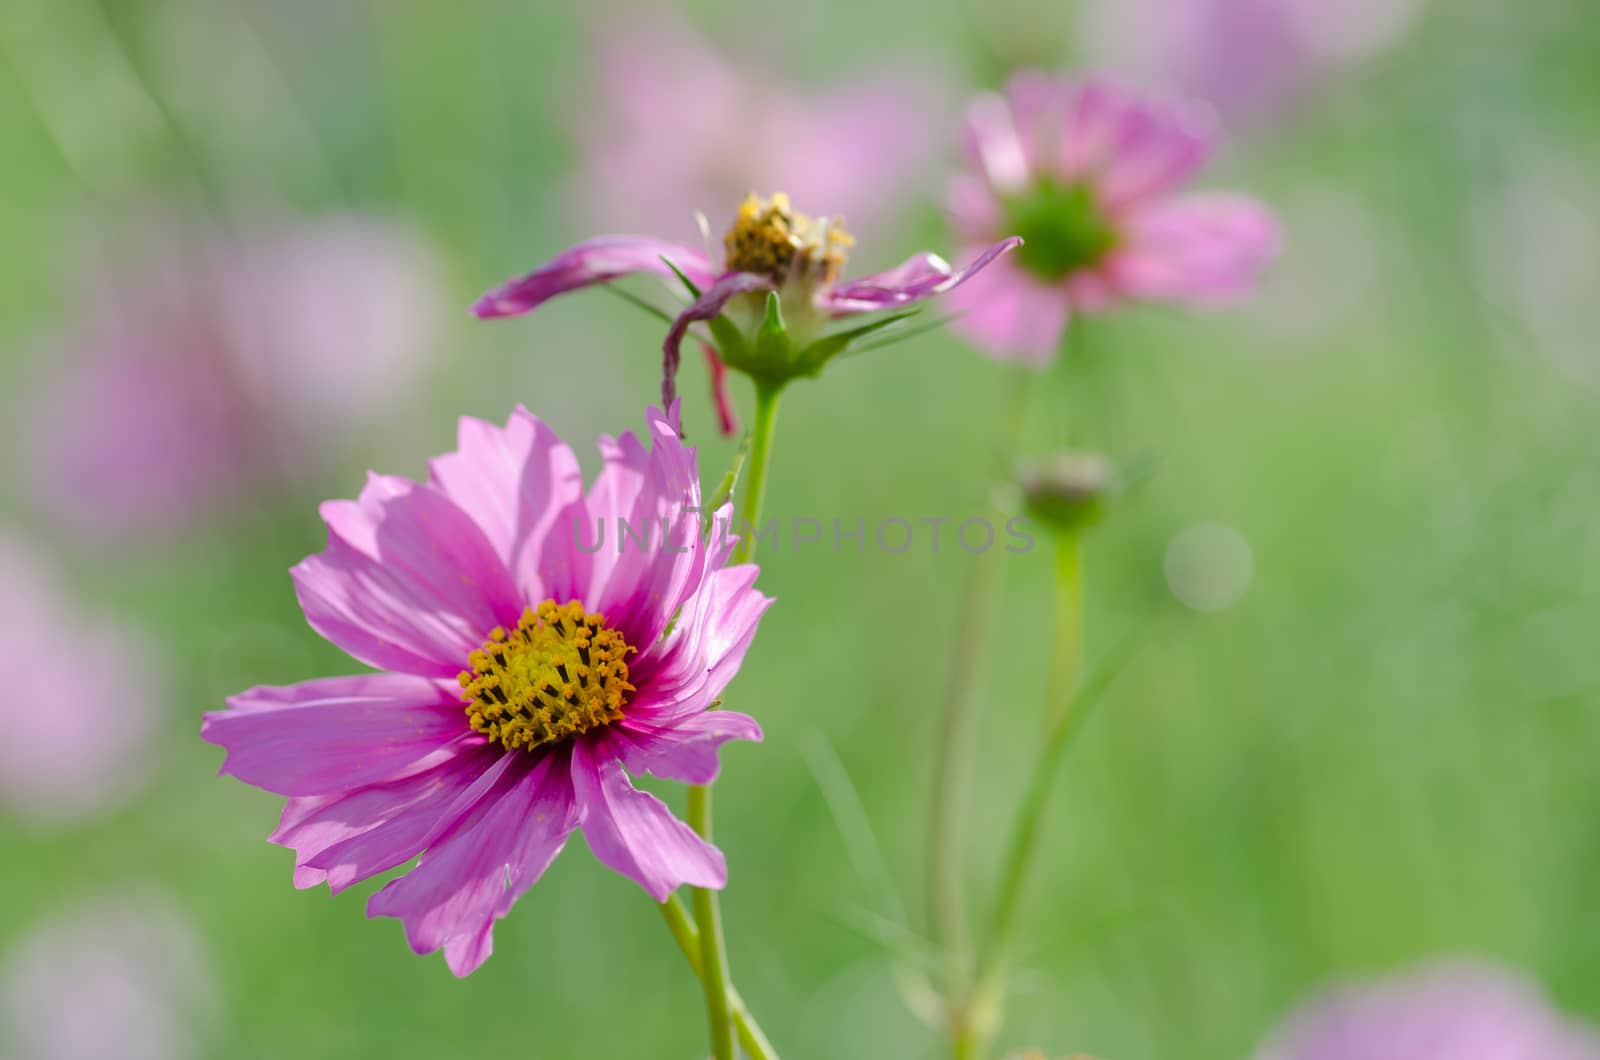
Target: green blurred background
column 1378, row 746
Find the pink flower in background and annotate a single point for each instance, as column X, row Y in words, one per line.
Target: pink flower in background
column 1088, row 176
column 525, row 674
column 79, row 703
column 124, row 978
column 200, row 362
column 1249, row 58
column 1447, row 1012
column 670, row 127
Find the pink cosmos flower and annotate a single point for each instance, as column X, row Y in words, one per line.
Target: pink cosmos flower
column 199, row 360
column 524, row 674
column 771, row 249
column 669, row 126
column 1460, row 1011
column 1086, row 176
column 91, row 748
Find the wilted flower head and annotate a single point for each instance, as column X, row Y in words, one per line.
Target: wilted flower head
column 201, row 362
column 1086, row 175
column 68, row 752
column 1458, row 1011
column 770, row 306
column 525, row 673
column 123, row 978
column 669, row 126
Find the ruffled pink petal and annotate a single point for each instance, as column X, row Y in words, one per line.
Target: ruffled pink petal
column 346, row 838
column 1012, row 316
column 1203, row 250
column 707, row 307
column 593, row 261
column 521, row 484
column 335, row 733
column 914, row 280
column 645, row 583
column 992, row 145
column 473, row 874
column 1157, row 148
column 707, row 647
column 408, row 581
column 685, row 751
column 633, row 832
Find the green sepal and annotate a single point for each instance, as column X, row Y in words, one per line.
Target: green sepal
column 694, row 292
column 819, row 353
column 772, row 337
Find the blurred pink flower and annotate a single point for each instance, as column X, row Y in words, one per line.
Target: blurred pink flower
column 670, row 127
column 124, row 978
column 80, row 703
column 200, row 361
column 1086, row 175
column 1458, row 1011
column 524, row 677
column 1249, row 58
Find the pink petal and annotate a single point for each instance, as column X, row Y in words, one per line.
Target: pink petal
column 471, row 878
column 1038, row 103
column 1201, row 250
column 520, row 483
column 707, row 307
column 1094, row 118
column 593, row 261
column 634, row 833
column 706, row 649
column 1012, row 316
column 973, row 209
column 685, row 751
column 346, row 838
column 992, row 145
column 335, row 733
column 1157, row 149
column 916, row 279
column 408, row 581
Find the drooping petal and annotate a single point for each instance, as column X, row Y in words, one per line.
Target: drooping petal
column 684, row 751
column 472, row 875
column 593, row 261
column 914, row 280
column 1205, row 250
column 633, row 832
column 408, row 581
column 346, row 838
column 335, row 733
column 707, row 307
column 519, row 483
column 1012, row 315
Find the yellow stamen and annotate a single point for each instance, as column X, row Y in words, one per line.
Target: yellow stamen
column 770, row 238
column 558, row 674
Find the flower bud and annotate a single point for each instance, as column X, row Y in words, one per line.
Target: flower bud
column 1067, row 491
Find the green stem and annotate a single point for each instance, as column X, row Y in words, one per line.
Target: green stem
column 1066, row 708
column 713, row 970
column 951, row 778
column 687, row 935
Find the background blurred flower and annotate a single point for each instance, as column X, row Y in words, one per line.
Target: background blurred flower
column 1250, row 58
column 671, row 126
column 204, row 361
column 1459, row 1011
column 1086, row 175
column 124, row 978
column 80, row 701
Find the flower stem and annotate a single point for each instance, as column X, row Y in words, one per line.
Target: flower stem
column 1067, row 703
column 946, row 870
column 713, row 947
column 687, row 935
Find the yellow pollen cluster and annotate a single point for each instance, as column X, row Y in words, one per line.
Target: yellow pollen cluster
column 560, row 673
column 770, row 238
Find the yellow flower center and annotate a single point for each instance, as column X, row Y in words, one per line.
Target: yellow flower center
column 559, row 674
column 770, row 238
